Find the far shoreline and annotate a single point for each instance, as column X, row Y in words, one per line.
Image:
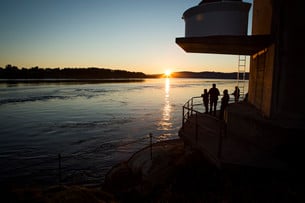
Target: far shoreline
column 68, row 80
column 94, row 80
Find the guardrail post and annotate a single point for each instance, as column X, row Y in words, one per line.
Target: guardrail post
column 196, row 127
column 183, row 118
column 192, row 104
column 59, row 168
column 150, row 136
column 188, row 110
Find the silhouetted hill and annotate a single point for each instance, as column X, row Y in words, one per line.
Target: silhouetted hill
column 207, row 74
column 13, row 72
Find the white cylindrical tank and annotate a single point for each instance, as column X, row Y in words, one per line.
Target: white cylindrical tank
column 216, row 17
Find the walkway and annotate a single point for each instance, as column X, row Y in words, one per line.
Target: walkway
column 218, row 142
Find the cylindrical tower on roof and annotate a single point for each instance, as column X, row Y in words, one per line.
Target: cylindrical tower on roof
column 217, row 17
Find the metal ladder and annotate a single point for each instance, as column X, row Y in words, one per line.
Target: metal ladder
column 241, row 74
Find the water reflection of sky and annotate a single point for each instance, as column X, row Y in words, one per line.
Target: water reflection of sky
column 101, row 123
column 166, row 123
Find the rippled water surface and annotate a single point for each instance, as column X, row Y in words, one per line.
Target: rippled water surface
column 75, row 132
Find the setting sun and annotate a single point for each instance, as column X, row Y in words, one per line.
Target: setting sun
column 167, row 73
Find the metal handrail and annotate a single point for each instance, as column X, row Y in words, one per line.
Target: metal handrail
column 188, row 111
column 189, row 105
column 58, row 168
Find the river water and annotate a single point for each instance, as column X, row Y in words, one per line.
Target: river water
column 74, row 132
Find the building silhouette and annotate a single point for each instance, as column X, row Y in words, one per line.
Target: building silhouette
column 268, row 129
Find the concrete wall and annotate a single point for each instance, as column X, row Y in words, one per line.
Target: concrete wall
column 276, row 84
column 261, row 64
column 262, row 17
column 261, row 80
column 289, row 101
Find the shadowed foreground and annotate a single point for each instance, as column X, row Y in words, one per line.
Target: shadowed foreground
column 58, row 194
column 175, row 174
column 178, row 174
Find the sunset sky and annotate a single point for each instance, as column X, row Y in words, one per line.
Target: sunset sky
column 134, row 35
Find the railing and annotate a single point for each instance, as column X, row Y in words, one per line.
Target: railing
column 206, row 123
column 188, row 109
column 193, row 106
column 52, row 169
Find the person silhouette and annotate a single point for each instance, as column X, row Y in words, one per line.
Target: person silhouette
column 213, row 93
column 236, row 94
column 205, row 98
column 224, row 103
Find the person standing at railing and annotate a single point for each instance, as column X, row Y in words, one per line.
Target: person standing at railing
column 213, row 93
column 236, row 94
column 224, row 103
column 205, row 98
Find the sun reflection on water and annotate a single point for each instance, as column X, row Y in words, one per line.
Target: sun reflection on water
column 165, row 123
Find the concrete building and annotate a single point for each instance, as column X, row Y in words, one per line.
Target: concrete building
column 273, row 119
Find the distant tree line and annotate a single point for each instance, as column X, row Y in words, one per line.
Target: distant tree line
column 13, row 72
column 209, row 75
